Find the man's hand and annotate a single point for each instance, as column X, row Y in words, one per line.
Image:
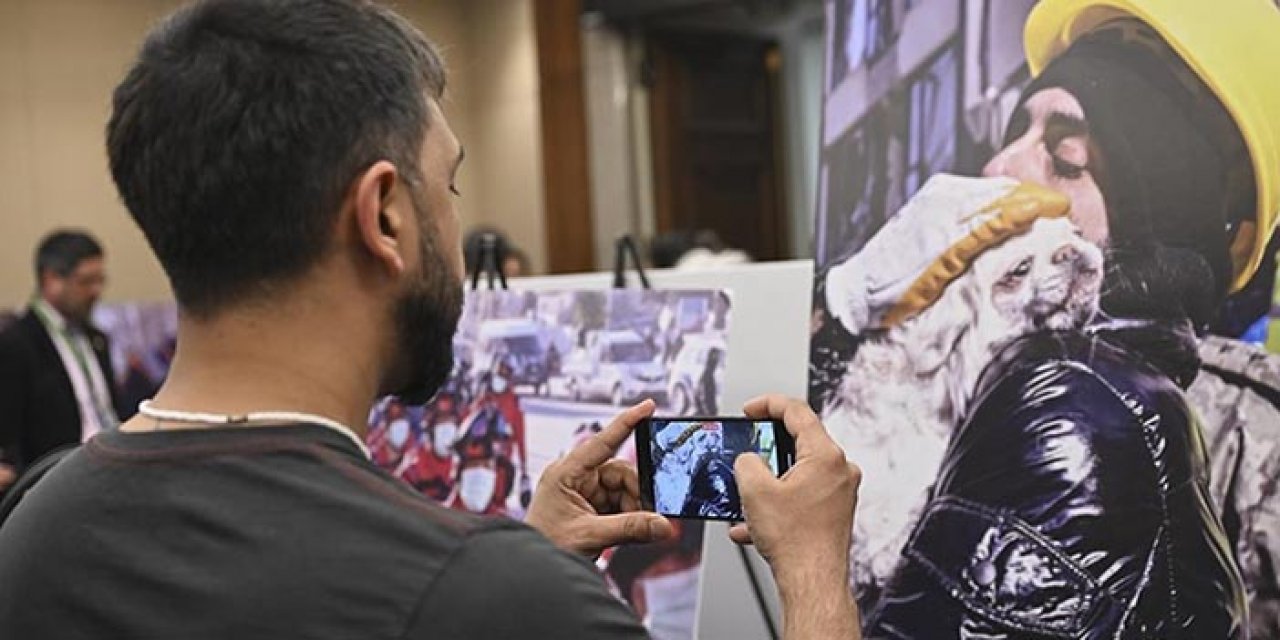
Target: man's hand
column 801, row 523
column 588, row 501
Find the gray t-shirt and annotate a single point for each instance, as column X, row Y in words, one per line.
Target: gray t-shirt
column 275, row 532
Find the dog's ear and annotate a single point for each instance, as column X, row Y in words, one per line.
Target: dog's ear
column 933, row 335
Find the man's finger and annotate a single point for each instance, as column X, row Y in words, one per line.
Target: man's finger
column 630, row 503
column 740, row 533
column 602, row 532
column 766, row 406
column 855, row 472
column 620, row 475
column 602, row 446
column 803, row 424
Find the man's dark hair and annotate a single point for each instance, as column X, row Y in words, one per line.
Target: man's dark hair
column 63, row 250
column 237, row 131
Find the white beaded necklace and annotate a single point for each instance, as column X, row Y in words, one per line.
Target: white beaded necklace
column 193, row 417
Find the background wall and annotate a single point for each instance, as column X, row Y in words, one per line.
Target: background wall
column 495, row 57
column 60, row 59
column 618, row 134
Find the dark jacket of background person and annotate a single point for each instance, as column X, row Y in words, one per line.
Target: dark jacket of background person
column 1073, row 502
column 38, row 407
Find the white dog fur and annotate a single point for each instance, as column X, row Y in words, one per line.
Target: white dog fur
column 908, row 387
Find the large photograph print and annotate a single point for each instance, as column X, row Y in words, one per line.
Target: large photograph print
column 915, row 294
column 535, row 373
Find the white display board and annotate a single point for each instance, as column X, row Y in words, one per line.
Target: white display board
column 768, row 352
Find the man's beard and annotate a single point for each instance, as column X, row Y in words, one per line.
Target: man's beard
column 78, row 315
column 426, row 318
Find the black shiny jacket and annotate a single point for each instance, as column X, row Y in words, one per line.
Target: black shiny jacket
column 1072, row 503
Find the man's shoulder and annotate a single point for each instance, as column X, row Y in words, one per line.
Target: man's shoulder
column 348, row 545
column 291, row 475
column 22, row 329
column 19, row 340
column 558, row 594
column 382, row 505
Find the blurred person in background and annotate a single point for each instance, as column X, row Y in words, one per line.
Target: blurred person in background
column 57, row 386
column 516, row 263
column 666, row 249
column 693, row 251
column 511, row 260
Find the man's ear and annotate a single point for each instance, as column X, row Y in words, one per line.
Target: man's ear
column 47, row 282
column 380, row 220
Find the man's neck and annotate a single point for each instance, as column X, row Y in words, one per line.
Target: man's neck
column 279, row 361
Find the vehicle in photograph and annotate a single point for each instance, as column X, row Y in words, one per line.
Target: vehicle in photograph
column 618, row 365
column 687, row 371
column 522, row 342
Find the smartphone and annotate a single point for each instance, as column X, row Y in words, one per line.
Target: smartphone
column 686, row 464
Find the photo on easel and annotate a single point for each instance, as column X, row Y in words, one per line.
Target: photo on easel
column 535, row 374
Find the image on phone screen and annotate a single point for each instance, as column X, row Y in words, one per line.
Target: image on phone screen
column 689, row 470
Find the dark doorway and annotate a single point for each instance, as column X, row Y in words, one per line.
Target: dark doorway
column 716, row 141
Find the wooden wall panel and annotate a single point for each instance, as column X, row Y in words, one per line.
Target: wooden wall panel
column 564, row 136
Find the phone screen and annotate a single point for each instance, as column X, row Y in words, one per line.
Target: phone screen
column 686, row 464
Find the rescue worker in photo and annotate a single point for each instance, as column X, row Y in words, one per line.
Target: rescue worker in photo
column 712, row 491
column 492, row 435
column 1074, row 499
column 429, row 467
column 391, row 435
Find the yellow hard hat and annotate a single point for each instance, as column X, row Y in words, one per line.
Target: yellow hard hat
column 1234, row 48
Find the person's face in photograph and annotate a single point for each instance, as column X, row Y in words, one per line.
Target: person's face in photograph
column 395, row 411
column 443, row 433
column 75, row 294
column 430, row 304
column 1048, row 144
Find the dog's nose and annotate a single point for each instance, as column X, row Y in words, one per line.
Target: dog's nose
column 1066, row 253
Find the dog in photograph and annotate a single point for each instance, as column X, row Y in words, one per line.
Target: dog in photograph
column 907, row 386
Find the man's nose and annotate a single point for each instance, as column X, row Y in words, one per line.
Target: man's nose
column 995, row 166
column 1016, row 161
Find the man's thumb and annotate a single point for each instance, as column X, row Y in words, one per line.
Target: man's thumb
column 634, row 527
column 751, row 472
